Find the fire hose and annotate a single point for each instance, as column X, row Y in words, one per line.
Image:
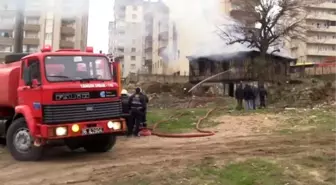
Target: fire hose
column 202, row 133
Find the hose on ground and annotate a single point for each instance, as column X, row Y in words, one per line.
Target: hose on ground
column 202, row 133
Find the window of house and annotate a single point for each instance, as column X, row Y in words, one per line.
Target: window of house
column 135, row 8
column 133, row 49
column 133, row 58
column 132, row 66
column 134, row 16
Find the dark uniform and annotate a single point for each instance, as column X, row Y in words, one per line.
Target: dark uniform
column 262, row 96
column 145, row 111
column 239, row 95
column 137, row 104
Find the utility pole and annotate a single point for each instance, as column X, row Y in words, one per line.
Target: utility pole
column 19, row 24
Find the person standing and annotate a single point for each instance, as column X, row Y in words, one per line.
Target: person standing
column 262, row 96
column 255, row 91
column 144, row 121
column 137, row 104
column 239, row 95
column 248, row 97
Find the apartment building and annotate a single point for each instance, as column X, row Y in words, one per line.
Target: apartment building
column 140, row 35
column 59, row 23
column 126, row 34
column 320, row 42
column 158, row 38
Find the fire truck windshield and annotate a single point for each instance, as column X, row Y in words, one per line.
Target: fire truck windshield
column 73, row 68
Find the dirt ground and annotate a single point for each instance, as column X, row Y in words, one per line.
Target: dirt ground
column 238, row 137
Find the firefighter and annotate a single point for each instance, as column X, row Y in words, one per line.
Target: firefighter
column 137, row 103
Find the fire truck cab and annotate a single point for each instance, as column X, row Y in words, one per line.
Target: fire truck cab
column 65, row 96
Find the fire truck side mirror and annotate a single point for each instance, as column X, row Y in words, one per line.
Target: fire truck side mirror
column 27, row 77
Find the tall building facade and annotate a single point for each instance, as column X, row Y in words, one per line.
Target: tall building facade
column 59, row 23
column 231, row 8
column 157, row 38
column 135, row 34
column 320, row 42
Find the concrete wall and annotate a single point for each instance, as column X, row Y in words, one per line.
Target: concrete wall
column 134, row 78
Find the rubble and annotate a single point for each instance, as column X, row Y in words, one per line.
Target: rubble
column 310, row 93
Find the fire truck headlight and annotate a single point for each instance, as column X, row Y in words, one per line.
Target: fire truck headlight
column 61, row 131
column 113, row 125
column 75, row 128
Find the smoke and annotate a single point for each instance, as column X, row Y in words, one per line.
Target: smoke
column 197, row 25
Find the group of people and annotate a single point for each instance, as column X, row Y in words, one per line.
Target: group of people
column 252, row 95
column 136, row 106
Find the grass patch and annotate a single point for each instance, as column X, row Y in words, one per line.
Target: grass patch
column 178, row 125
column 323, row 163
column 250, row 172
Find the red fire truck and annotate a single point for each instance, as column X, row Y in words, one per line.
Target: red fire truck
column 68, row 97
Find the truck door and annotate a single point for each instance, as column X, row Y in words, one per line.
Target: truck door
column 30, row 94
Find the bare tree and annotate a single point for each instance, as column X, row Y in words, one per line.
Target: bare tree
column 276, row 20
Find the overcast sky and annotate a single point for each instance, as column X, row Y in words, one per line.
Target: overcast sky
column 101, row 12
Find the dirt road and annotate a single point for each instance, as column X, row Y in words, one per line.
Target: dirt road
column 135, row 155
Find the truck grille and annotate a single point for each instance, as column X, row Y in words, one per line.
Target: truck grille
column 55, row 114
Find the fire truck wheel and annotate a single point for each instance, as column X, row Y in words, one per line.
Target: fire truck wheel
column 20, row 143
column 101, row 143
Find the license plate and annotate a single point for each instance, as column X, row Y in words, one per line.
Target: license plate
column 92, row 130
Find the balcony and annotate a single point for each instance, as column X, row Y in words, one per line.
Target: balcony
column 7, row 26
column 9, row 41
column 67, row 44
column 330, row 29
column 321, row 41
column 320, row 53
column 329, row 17
column 326, row 5
column 67, row 30
column 163, row 43
column 163, row 36
column 32, row 27
column 31, row 41
column 149, row 38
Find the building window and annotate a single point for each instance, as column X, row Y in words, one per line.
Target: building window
column 48, row 36
column 132, row 66
column 133, row 58
column 32, row 48
column 135, row 8
column 32, row 20
column 6, row 48
column 133, row 50
column 121, row 49
column 30, row 34
column 134, row 16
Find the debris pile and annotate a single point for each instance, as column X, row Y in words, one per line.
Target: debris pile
column 306, row 94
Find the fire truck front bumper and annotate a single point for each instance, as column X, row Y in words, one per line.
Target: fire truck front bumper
column 113, row 126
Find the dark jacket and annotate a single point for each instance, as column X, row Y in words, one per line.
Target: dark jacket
column 124, row 103
column 255, row 91
column 248, row 93
column 137, row 101
column 239, row 93
column 262, row 92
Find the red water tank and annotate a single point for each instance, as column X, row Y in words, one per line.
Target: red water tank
column 10, row 76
